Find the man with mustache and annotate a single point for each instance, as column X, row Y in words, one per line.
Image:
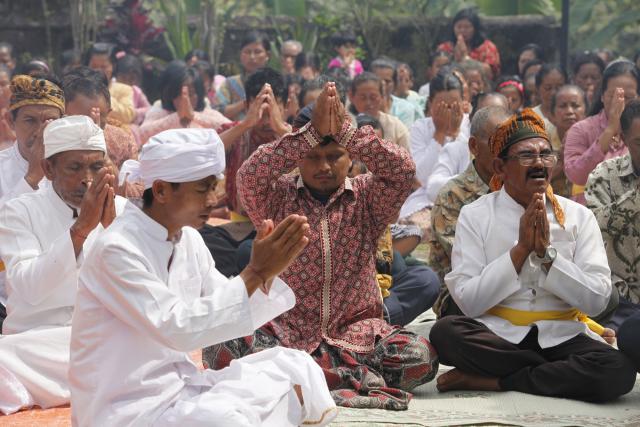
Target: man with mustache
column 338, row 317
column 33, row 103
column 44, row 237
column 527, row 268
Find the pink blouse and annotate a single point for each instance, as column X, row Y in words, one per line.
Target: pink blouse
column 158, row 119
column 581, row 151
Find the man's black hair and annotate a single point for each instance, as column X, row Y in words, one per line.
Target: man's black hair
column 85, row 81
column 257, row 80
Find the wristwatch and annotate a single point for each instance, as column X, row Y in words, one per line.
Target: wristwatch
column 549, row 255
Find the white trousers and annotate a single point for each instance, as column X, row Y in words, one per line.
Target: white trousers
column 33, row 369
column 256, row 390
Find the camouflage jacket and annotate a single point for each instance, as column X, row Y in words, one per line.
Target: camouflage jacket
column 459, row 191
column 613, row 194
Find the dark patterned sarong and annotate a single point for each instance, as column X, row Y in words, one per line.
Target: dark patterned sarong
column 381, row 379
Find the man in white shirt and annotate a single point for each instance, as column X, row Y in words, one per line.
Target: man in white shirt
column 149, row 293
column 43, row 238
column 526, row 268
column 34, row 102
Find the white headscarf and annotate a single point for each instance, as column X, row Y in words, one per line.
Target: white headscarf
column 73, row 133
column 182, row 155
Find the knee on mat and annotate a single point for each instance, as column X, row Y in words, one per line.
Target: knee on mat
column 446, row 331
column 616, row 380
column 628, row 341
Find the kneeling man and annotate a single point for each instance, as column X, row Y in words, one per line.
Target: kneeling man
column 527, row 267
column 149, row 293
column 44, row 236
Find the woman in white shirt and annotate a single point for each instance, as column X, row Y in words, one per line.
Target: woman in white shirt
column 447, row 123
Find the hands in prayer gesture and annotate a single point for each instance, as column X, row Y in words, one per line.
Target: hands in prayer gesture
column 265, row 104
column 97, row 204
column 533, row 234
column 328, row 114
column 274, row 249
column 35, row 155
column 460, row 50
column 183, row 106
column 447, row 119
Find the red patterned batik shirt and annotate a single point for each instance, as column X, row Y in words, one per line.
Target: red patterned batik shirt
column 334, row 279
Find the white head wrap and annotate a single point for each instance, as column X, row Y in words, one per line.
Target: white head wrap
column 73, row 133
column 182, row 155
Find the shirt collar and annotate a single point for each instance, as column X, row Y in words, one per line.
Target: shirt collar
column 59, row 205
column 347, row 186
column 21, row 161
column 625, row 167
column 510, row 202
column 150, row 225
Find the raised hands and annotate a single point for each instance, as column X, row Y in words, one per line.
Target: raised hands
column 460, row 50
column 447, row 119
column 182, row 104
column 328, row 113
column 533, row 235
column 97, row 204
column 35, row 155
column 275, row 248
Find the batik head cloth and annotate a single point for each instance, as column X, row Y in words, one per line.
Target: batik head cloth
column 519, row 127
column 182, row 155
column 73, row 133
column 27, row 90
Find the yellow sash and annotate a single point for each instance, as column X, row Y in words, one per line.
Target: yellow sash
column 1, row 265
column 526, row 318
column 384, row 281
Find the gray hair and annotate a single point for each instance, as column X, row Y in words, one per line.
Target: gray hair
column 292, row 43
column 481, row 119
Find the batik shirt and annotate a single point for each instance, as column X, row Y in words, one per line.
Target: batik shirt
column 334, row 278
column 613, row 194
column 458, row 192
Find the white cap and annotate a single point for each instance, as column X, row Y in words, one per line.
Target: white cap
column 73, row 133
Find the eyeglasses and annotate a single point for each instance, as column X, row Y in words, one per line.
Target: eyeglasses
column 528, row 159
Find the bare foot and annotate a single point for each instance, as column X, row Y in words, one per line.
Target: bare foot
column 455, row 379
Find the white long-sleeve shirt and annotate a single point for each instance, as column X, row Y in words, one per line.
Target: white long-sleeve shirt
column 41, row 266
column 452, row 161
column 13, row 168
column 483, row 274
column 425, row 151
column 136, row 318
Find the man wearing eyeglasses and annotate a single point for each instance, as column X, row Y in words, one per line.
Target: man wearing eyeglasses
column 528, row 267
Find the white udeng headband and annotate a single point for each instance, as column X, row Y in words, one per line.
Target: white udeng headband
column 181, row 155
column 73, row 133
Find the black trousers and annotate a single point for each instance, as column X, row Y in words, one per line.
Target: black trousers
column 629, row 339
column 580, row 368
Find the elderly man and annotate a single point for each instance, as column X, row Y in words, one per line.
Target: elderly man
column 613, row 194
column 338, row 316
column 149, row 292
column 462, row 190
column 33, row 103
column 527, row 267
column 43, row 240
column 288, row 52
